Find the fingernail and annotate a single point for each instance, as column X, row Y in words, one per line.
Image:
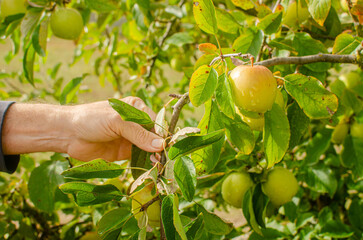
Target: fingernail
column 157, row 143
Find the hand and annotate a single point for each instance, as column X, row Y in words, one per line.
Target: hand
column 99, row 132
column 85, row 132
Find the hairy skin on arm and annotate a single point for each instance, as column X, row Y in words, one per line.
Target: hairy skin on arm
column 85, row 132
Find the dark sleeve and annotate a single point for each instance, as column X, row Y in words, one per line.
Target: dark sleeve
column 8, row 163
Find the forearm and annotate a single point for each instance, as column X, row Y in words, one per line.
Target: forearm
column 36, row 128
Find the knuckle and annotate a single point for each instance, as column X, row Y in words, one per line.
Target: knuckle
column 141, row 135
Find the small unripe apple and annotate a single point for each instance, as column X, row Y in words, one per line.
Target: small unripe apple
column 153, row 211
column 352, row 79
column 295, row 15
column 235, row 186
column 340, row 132
column 356, row 130
column 254, row 88
column 280, row 99
column 12, row 7
column 255, row 122
column 280, row 186
column 66, row 23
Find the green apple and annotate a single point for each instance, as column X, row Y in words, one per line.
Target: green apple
column 280, row 186
column 66, row 23
column 295, row 15
column 12, row 7
column 235, row 186
column 356, row 130
column 352, row 79
column 340, row 132
column 153, row 211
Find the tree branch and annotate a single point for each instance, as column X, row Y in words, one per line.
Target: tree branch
column 183, row 100
column 176, row 111
column 332, row 58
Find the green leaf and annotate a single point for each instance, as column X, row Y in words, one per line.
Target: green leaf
column 138, row 160
column 355, row 213
column 350, row 100
column 319, row 10
column 43, row 182
column 28, row 64
column 185, row 175
column 271, row 23
column 306, row 45
column 30, row 21
column 299, row 124
column 346, row 44
column 113, row 220
column 244, row 4
column 171, row 218
column 336, row 229
column 205, row 16
column 206, row 159
column 214, row 224
column 132, row 114
column 352, row 156
column 70, row 90
column 202, row 85
column 249, row 42
column 193, row 143
column 192, row 231
column 312, row 97
column 226, row 22
column 102, row 5
column 276, row 135
column 179, row 39
column 86, row 194
column 317, row 146
column 167, row 216
column 95, row 169
column 321, row 178
column 239, row 133
column 9, row 24
column 224, row 96
column 39, row 38
column 176, row 218
column 248, row 211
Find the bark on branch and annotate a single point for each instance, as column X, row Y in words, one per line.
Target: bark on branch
column 332, row 58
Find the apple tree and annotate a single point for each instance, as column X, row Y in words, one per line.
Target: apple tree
column 259, row 103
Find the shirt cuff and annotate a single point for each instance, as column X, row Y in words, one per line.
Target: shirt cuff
column 8, row 163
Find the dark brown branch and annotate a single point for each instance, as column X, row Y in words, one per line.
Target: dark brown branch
column 309, row 59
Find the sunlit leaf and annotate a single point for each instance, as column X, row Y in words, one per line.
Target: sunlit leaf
column 202, row 85
column 312, row 97
column 205, row 16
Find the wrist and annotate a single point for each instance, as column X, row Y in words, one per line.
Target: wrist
column 36, row 128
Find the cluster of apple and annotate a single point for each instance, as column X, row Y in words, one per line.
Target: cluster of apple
column 352, row 80
column 66, row 23
column 255, row 91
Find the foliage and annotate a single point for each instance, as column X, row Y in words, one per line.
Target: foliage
column 62, row 198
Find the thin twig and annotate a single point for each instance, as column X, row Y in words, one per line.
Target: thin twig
column 161, row 42
column 243, row 56
column 173, row 95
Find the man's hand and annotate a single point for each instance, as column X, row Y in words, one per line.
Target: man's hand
column 85, row 132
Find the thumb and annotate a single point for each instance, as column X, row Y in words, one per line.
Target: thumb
column 141, row 137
